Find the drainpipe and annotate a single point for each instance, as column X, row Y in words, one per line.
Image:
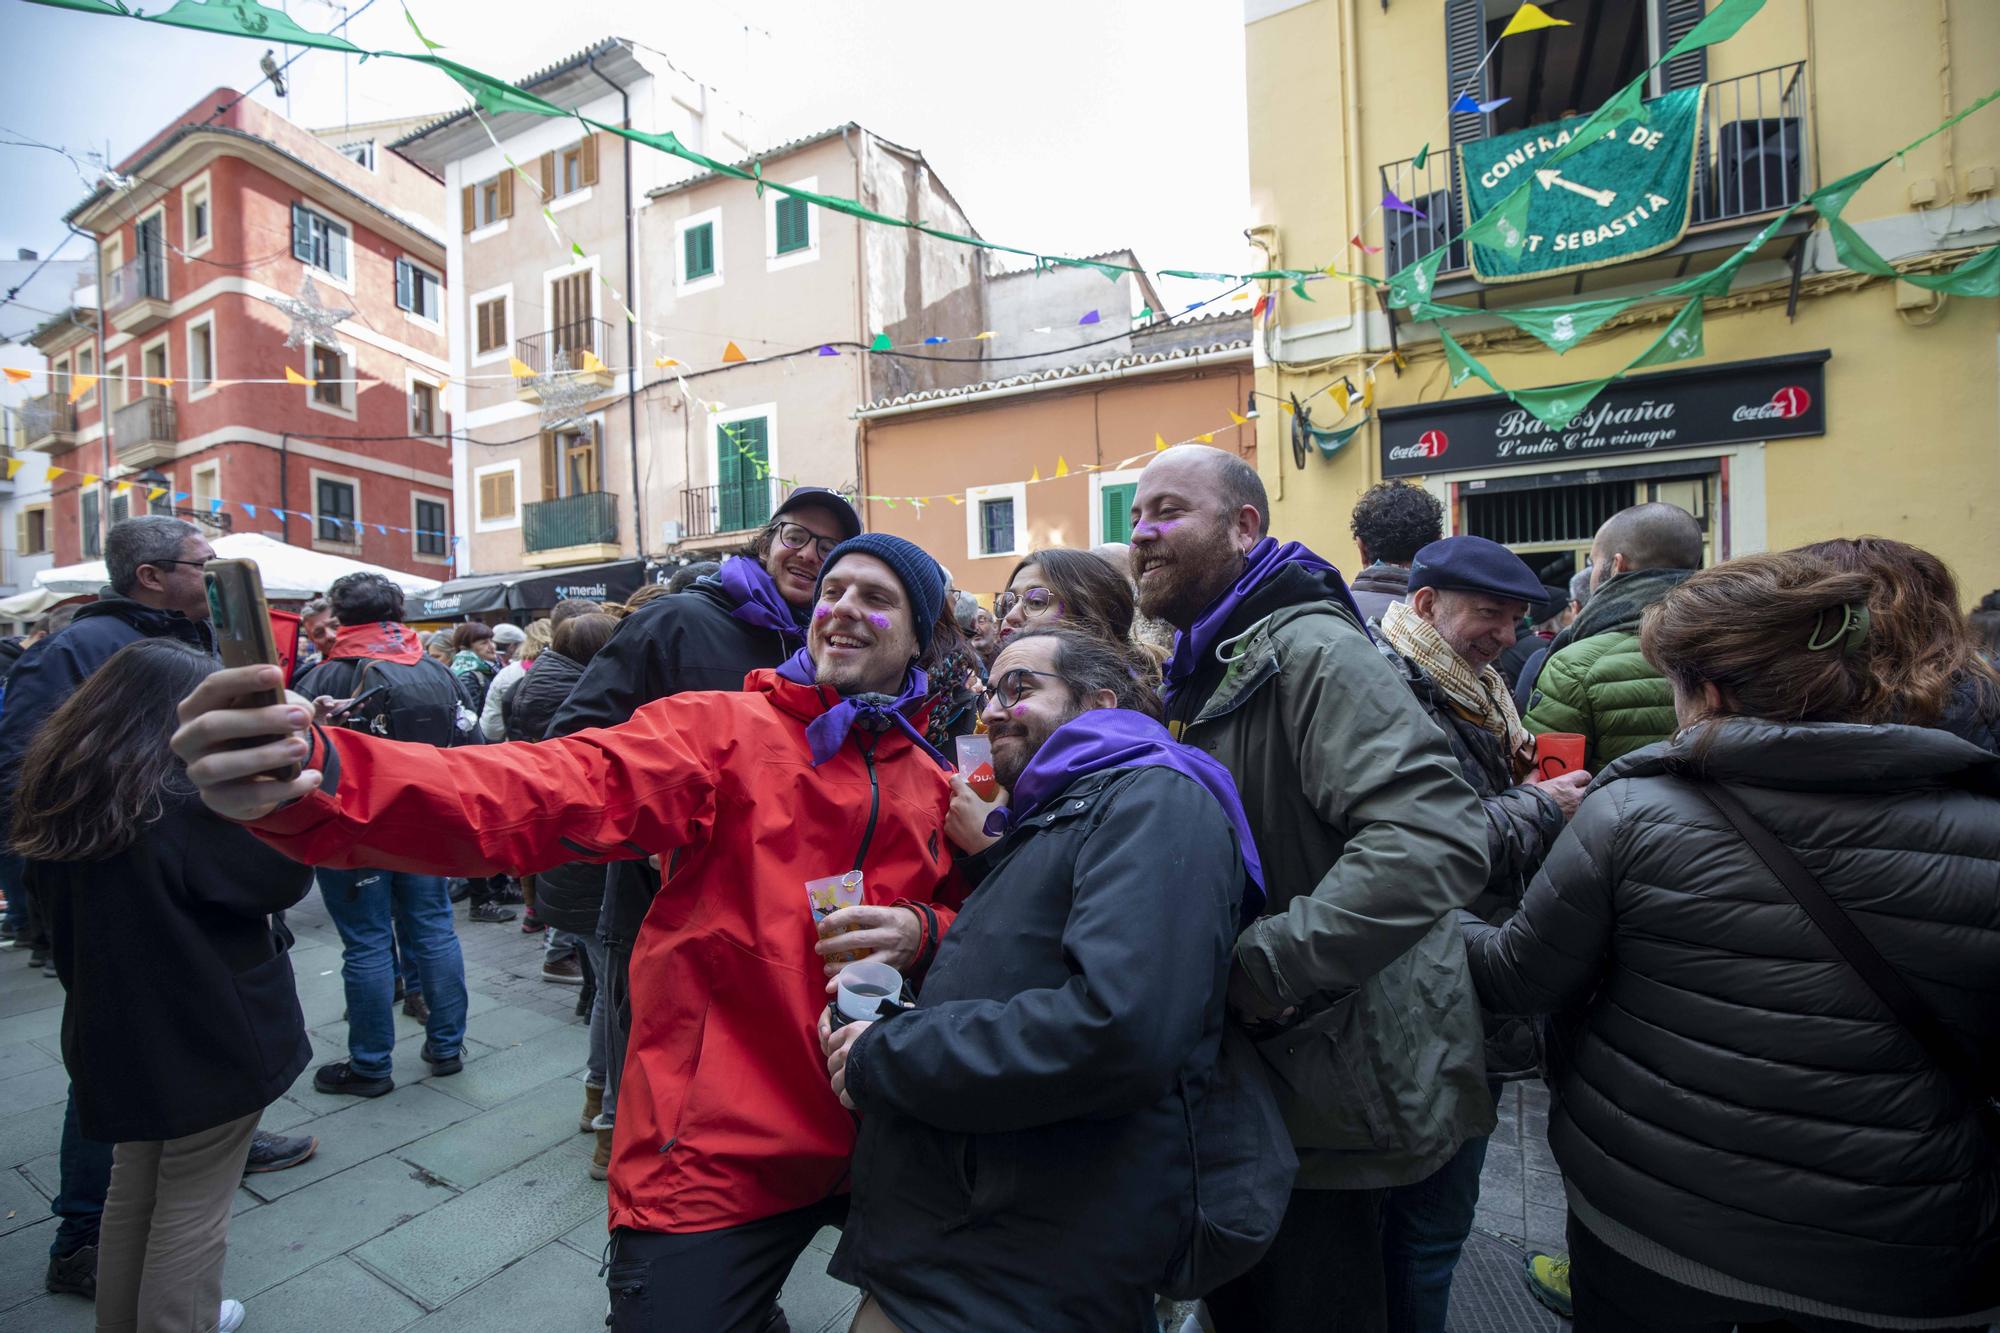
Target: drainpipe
column 632, row 374
column 284, row 487
column 103, row 382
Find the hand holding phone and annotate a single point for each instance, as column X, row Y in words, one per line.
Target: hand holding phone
column 242, row 622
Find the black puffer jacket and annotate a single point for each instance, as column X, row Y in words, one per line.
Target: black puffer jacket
column 567, row 897
column 540, row 695
column 1732, row 1098
column 1024, row 1159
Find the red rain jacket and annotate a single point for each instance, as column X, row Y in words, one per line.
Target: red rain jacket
column 725, row 1115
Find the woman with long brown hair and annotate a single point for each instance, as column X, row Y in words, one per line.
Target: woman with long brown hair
column 181, row 1021
column 1758, row 1124
column 1063, row 585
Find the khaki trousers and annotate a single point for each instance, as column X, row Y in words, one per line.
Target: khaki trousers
column 166, row 1229
column 870, row 1319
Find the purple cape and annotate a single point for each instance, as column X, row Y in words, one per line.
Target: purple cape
column 750, row 586
column 825, row 733
column 1266, row 558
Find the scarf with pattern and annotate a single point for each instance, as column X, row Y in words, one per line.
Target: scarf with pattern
column 1482, row 696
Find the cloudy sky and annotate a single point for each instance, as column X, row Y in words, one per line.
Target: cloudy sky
column 1061, row 126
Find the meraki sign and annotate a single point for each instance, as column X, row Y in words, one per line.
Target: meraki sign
column 1625, row 196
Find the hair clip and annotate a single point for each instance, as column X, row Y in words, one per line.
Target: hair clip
column 1848, row 634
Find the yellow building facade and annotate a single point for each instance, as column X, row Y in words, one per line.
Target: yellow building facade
column 1826, row 402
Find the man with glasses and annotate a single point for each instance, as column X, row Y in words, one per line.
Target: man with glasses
column 156, row 591
column 749, row 615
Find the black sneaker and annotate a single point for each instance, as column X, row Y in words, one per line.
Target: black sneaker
column 442, row 1066
column 276, row 1152
column 490, row 912
column 73, row 1274
column 459, row 889
column 340, row 1079
column 509, row 893
column 37, row 956
column 416, row 1007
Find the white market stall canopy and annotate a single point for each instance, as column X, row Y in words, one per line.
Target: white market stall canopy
column 291, row 573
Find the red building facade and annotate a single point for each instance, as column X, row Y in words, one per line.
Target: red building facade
column 196, row 410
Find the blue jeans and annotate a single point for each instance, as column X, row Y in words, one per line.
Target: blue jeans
column 369, row 907
column 13, row 882
column 1424, row 1227
column 85, row 1167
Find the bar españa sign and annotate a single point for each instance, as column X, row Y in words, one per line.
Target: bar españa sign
column 1735, row 403
column 1623, row 197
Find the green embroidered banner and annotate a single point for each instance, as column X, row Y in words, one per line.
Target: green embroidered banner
column 1625, row 195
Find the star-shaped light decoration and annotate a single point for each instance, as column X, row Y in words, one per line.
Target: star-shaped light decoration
column 565, row 395
column 313, row 320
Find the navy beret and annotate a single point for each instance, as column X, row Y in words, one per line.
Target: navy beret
column 1474, row 564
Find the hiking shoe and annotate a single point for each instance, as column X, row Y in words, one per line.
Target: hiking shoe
column 276, row 1152
column 416, row 1007
column 73, row 1274
column 600, row 1161
column 232, row 1317
column 564, row 972
column 340, row 1079
column 593, row 1106
column 1548, row 1279
column 442, row 1065
column 493, row 912
column 459, row 890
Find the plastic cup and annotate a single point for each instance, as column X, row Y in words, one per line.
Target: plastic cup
column 1557, row 753
column 975, row 765
column 862, row 989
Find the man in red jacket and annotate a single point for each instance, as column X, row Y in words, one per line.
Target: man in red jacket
column 731, row 1150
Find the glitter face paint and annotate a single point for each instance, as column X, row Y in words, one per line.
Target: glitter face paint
column 1155, row 531
column 877, row 619
column 822, row 611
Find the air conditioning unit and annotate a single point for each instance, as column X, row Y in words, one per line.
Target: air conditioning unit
column 671, row 531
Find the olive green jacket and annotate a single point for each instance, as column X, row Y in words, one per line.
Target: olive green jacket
column 1370, row 842
column 1605, row 690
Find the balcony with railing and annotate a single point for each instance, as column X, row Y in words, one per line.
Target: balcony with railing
column 1750, row 163
column 135, row 296
column 709, row 512
column 48, row 423
column 576, row 529
column 144, row 431
column 580, row 351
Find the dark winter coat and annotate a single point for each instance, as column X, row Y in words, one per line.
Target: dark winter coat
column 181, row 1013
column 567, row 897
column 1528, row 646
column 1024, row 1158
column 541, row 694
column 1974, row 713
column 1730, row 1093
column 670, row 646
column 11, row 649
column 1375, row 587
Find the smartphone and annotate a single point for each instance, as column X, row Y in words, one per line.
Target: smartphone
column 342, row 707
column 242, row 622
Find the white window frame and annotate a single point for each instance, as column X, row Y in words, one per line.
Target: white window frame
column 162, row 342
column 159, row 211
column 1017, row 491
column 442, row 502
column 411, row 379
column 94, row 396
column 482, row 230
column 212, row 472
column 682, row 285
column 196, row 190
column 506, row 348
column 421, row 321
column 1098, row 481
column 112, row 253
column 207, row 387
column 367, row 161
column 717, row 420
column 323, row 275
column 480, row 523
column 114, row 373
column 342, row 479
column 773, row 261
column 348, row 395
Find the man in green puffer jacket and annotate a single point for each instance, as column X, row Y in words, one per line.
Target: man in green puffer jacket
column 1594, row 681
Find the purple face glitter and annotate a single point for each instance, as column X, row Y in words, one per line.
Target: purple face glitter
column 1155, row 531
column 878, row 620
column 822, row 611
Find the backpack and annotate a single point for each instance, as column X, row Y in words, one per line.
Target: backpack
column 1243, row 1171
column 420, row 703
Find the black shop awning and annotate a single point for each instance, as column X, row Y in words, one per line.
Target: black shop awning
column 529, row 590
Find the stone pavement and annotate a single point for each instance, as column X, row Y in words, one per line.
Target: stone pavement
column 463, row 1204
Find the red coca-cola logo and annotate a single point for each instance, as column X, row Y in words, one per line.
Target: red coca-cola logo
column 1787, row 403
column 1431, row 444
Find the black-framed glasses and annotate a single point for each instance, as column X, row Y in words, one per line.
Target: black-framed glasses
column 156, row 563
column 794, row 536
column 1034, row 603
column 1009, row 686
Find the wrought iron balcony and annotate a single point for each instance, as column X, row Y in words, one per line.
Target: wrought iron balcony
column 589, row 519
column 579, row 351
column 1750, row 162
column 48, row 423
column 144, row 431
column 712, row 511
column 136, row 295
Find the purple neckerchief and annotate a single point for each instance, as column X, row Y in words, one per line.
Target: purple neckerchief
column 749, row 585
column 1107, row 738
column 825, row 733
column 1266, row 558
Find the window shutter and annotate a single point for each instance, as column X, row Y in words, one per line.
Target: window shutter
column 792, row 225
column 506, row 194
column 1464, row 44
column 1676, row 19
column 302, row 247
column 405, row 296
column 551, row 465
column 548, row 174
column 466, row 210
column 590, row 159
column 21, row 534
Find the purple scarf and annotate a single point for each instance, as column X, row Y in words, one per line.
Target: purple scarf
column 1107, row 738
column 825, row 733
column 750, row 586
column 1192, row 647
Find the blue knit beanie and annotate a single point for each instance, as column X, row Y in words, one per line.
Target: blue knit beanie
column 922, row 578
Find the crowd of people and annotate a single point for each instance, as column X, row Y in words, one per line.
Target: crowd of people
column 1205, row 1010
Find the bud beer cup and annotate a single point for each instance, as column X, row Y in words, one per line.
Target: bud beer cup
column 975, row 765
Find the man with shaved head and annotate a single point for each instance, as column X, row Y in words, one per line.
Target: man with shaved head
column 1595, row 681
column 1354, row 982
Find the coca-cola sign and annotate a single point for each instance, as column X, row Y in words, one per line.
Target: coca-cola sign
column 1733, row 403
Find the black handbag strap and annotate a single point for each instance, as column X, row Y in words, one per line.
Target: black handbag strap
column 1879, row 974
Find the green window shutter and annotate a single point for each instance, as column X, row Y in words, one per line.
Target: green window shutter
column 1116, row 511
column 698, row 251
column 794, row 232
column 743, row 489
